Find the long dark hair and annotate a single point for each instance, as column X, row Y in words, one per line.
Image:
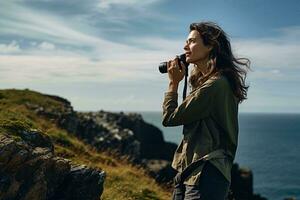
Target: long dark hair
column 226, row 63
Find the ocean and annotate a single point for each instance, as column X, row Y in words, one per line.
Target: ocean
column 268, row 144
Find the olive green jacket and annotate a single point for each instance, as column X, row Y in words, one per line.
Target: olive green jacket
column 210, row 118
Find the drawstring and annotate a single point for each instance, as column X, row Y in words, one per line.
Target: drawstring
column 185, row 83
column 184, row 89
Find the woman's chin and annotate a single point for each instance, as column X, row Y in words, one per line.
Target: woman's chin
column 189, row 60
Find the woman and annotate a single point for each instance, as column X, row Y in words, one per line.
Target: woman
column 209, row 113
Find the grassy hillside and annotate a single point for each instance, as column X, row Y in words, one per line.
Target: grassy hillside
column 123, row 180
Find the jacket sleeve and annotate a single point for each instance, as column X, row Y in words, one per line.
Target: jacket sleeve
column 196, row 106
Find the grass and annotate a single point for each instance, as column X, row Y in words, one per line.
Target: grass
column 124, row 181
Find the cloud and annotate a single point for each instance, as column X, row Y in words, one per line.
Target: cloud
column 46, row 46
column 36, row 25
column 63, row 51
column 12, row 47
column 114, row 62
column 35, row 68
column 280, row 51
column 105, row 4
column 37, row 64
column 76, row 54
column 32, row 24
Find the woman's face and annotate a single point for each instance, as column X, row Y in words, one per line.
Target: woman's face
column 195, row 50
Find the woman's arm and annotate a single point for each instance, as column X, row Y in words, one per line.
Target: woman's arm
column 173, row 87
column 196, row 106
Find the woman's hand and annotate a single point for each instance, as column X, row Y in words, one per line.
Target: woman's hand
column 175, row 73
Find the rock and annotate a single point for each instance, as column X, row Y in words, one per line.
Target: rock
column 126, row 134
column 290, row 198
column 30, row 171
column 130, row 134
column 37, row 139
column 75, row 179
column 59, row 99
column 160, row 170
column 242, row 184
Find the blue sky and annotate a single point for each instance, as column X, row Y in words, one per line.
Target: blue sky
column 105, row 54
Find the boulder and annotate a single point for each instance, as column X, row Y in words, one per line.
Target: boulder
column 30, row 171
column 242, row 184
column 160, row 170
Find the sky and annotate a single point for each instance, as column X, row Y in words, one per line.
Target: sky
column 104, row 55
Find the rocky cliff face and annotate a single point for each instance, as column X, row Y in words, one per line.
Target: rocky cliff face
column 30, row 171
column 125, row 134
column 129, row 134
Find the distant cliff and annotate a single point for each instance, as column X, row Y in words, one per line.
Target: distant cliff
column 50, row 151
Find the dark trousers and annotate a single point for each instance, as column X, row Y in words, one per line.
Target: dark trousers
column 212, row 186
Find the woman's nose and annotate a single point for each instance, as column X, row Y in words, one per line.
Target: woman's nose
column 186, row 47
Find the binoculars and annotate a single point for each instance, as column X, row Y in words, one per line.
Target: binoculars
column 163, row 66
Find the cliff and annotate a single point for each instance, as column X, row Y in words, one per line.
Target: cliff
column 47, row 151
column 50, row 151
